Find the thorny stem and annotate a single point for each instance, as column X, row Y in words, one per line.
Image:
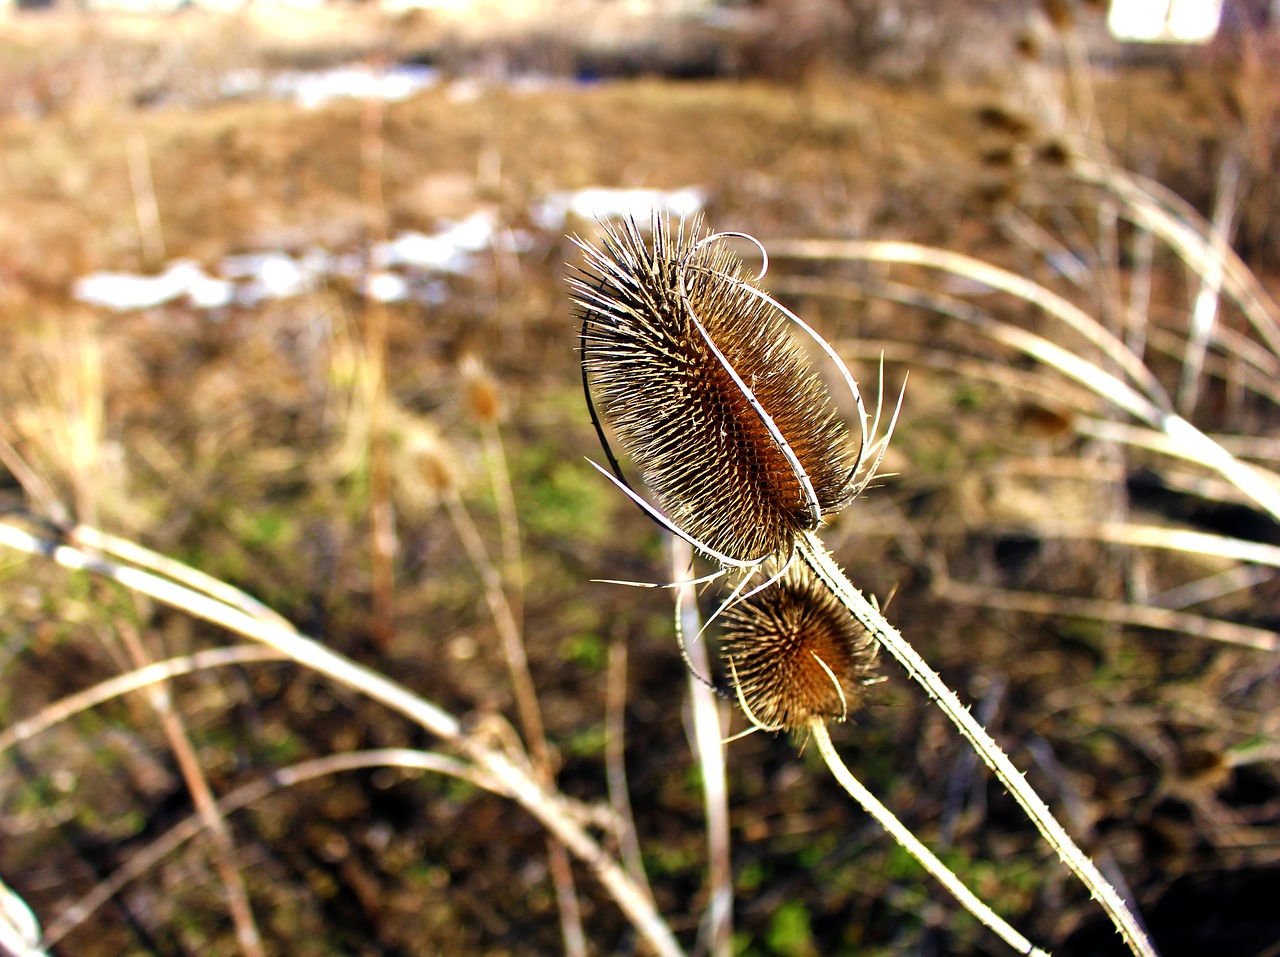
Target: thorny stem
column 912, row 845
column 816, row 556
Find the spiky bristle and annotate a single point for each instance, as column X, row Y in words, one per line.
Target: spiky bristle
column 710, row 461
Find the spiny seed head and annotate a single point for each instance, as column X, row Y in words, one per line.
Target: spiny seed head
column 711, row 463
column 484, row 399
column 777, row 642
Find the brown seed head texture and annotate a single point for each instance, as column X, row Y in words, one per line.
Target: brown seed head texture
column 707, row 457
column 483, row 396
column 774, row 640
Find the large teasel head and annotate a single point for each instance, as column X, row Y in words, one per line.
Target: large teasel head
column 708, row 393
column 795, row 654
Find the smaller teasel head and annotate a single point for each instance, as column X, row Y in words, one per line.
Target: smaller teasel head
column 795, row 654
column 709, row 394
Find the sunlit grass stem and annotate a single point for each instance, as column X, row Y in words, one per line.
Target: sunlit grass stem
column 912, row 845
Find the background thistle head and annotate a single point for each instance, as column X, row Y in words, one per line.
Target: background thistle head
column 707, row 391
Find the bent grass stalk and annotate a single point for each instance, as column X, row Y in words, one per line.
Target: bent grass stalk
column 66, row 708
column 1114, row 612
column 147, row 857
column 513, row 651
column 1165, row 214
column 510, row 772
column 76, row 426
column 1153, row 407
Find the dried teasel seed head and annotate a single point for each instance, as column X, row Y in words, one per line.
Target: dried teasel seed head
column 796, row 653
column 433, row 459
column 1059, row 14
column 484, row 398
column 650, row 312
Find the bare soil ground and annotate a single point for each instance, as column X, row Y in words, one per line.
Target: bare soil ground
column 227, row 441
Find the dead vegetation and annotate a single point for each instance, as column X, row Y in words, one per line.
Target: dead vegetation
column 239, row 443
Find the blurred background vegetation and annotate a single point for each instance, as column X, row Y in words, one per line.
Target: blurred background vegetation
column 323, row 447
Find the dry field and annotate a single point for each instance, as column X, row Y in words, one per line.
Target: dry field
column 406, row 481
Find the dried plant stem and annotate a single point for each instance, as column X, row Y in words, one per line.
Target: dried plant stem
column 1161, row 211
column 508, row 523
column 912, row 845
column 66, row 708
column 134, row 554
column 1161, row 537
column 624, row 823
column 508, row 631
column 145, row 858
column 815, row 555
column 36, row 488
column 1138, row 306
column 1115, row 612
column 1204, row 313
column 708, row 735
column 223, row 851
column 510, row 774
column 1148, row 404
column 513, row 650
column 930, row 257
column 145, row 206
column 382, row 539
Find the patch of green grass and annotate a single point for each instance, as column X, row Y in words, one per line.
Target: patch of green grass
column 587, row 743
column 666, row 861
column 277, row 747
column 790, row 932
column 586, row 650
column 750, row 877
column 562, row 499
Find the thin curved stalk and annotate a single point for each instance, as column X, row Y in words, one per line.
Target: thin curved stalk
column 1157, row 208
column 1115, row 612
column 916, row 254
column 815, row 555
column 912, row 845
column 134, row 554
column 222, row 849
column 623, row 821
column 145, row 858
column 66, row 708
column 1194, row 445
